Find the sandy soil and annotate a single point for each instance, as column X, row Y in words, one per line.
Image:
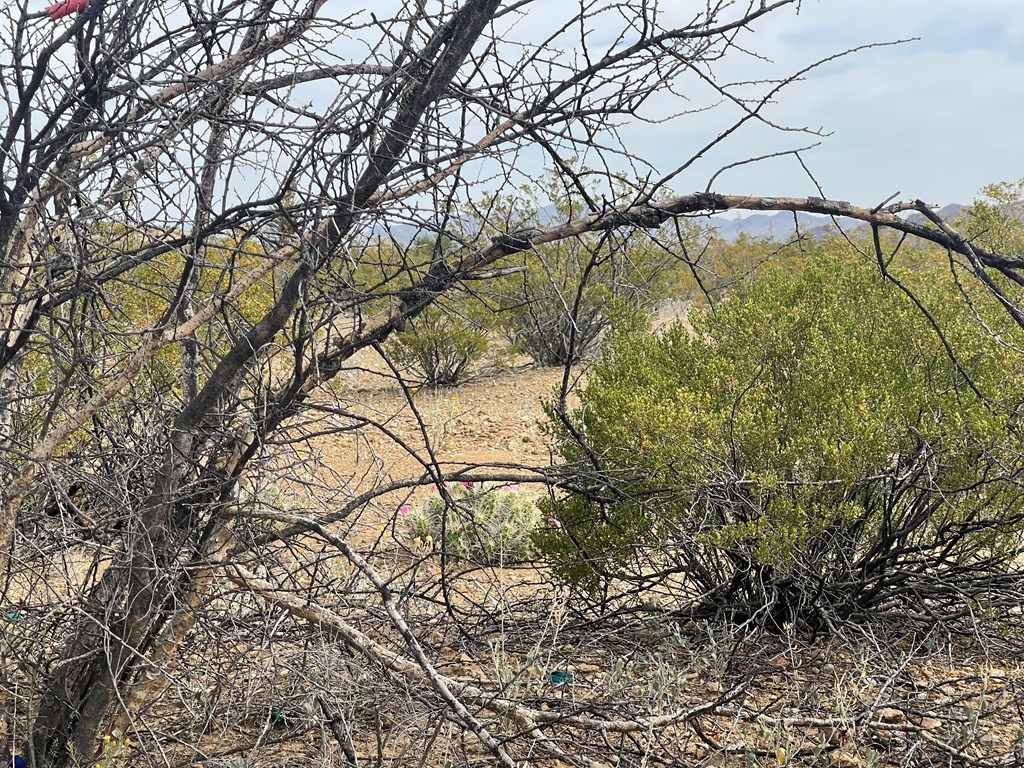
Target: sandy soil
column 492, row 419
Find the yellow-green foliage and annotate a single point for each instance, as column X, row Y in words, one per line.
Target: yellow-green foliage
column 105, row 325
column 557, row 307
column 779, row 429
column 443, row 343
column 995, row 221
column 489, row 523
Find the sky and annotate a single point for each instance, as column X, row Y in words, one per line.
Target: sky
column 936, row 118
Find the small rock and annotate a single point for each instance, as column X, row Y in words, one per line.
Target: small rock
column 891, row 715
column 588, row 669
column 846, row 760
column 715, row 687
column 833, row 735
column 930, row 723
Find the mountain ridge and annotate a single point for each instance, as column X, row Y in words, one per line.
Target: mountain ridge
column 784, row 224
column 780, row 226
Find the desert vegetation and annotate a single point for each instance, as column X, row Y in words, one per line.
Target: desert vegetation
column 323, row 441
column 808, row 454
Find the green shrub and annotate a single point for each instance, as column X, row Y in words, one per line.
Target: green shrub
column 492, row 525
column 549, row 315
column 809, row 453
column 442, row 344
column 994, row 221
column 556, row 309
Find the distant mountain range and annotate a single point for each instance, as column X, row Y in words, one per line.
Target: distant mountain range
column 783, row 225
column 780, row 226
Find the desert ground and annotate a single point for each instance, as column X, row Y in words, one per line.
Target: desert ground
column 634, row 688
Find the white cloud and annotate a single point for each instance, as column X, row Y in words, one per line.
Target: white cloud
column 937, row 118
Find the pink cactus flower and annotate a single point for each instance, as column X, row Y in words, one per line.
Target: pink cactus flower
column 405, row 509
column 466, row 483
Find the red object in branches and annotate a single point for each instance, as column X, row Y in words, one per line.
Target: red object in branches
column 66, row 8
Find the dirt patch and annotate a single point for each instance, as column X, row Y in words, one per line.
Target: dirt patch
column 493, row 419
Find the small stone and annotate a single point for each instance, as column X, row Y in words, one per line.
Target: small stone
column 833, row 735
column 588, row 669
column 891, row 715
column 715, row 687
column 845, row 760
column 930, row 723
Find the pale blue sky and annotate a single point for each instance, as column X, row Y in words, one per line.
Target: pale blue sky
column 937, row 118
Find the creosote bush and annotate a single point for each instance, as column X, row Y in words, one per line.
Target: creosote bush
column 444, row 343
column 809, row 454
column 567, row 294
column 490, row 524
